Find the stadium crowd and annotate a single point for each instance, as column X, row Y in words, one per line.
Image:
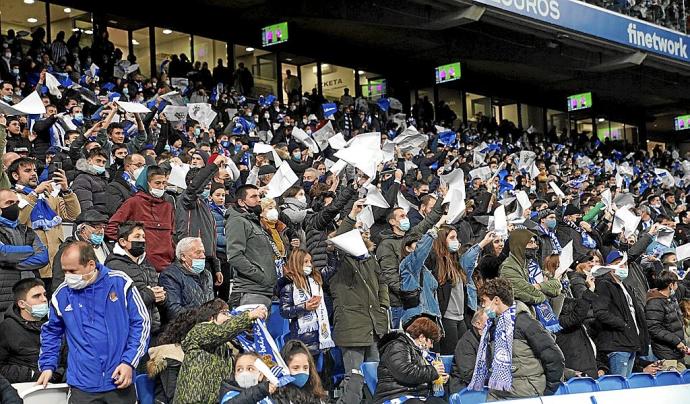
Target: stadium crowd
column 151, row 226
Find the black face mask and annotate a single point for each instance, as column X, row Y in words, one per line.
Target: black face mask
column 119, row 162
column 138, row 248
column 530, row 254
column 254, row 209
column 11, row 213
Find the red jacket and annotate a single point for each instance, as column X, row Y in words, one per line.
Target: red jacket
column 158, row 217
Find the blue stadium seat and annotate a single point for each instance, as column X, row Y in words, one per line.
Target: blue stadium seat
column 562, row 389
column 276, row 324
column 338, row 369
column 637, row 380
column 466, row 396
column 686, row 376
column 454, row 398
column 371, row 377
column 145, row 388
column 581, row 385
column 612, row 382
column 282, row 339
column 670, row 378
column 448, row 362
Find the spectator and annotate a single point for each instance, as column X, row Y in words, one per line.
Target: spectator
column 306, row 386
column 107, row 309
column 248, row 385
column 216, row 203
column 292, row 86
column 244, row 81
column 665, row 321
column 8, row 395
column 91, row 183
column 186, row 282
column 123, row 184
column 466, row 353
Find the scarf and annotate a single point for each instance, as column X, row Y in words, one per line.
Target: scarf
column 234, row 393
column 272, row 229
column 543, row 310
column 501, row 366
column 128, row 179
column 555, row 244
column 587, row 241
column 42, row 216
column 316, row 320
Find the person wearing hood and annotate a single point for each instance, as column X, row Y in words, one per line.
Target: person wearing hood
column 620, row 316
column 571, row 228
column 20, row 333
column 296, row 209
column 151, row 207
column 129, row 256
column 665, row 320
column 124, row 183
column 91, row 183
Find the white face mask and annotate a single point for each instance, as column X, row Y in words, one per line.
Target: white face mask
column 137, row 173
column 301, row 198
column 76, row 281
column 306, row 270
column 272, row 215
column 158, row 193
column 247, row 379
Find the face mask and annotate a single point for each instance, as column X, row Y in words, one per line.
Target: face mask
column 205, row 193
column 267, row 115
column 247, row 379
column 158, row 193
column 79, row 116
column 621, row 273
column 300, row 379
column 272, row 215
column 404, row 224
column 7, row 97
column 138, row 248
column 198, row 265
column 225, row 144
column 197, row 131
column 673, row 292
column 137, row 173
column 453, row 245
column 15, row 72
column 39, row 310
column 125, row 91
column 302, row 198
column 8, row 55
column 306, row 270
column 11, row 213
column 530, row 254
column 551, row 224
column 97, row 169
column 96, row 239
column 490, row 313
column 76, row 281
column 297, row 156
column 307, row 185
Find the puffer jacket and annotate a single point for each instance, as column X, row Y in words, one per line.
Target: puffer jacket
column 412, row 268
column 20, row 343
column 184, row 290
column 665, row 323
column 91, row 189
column 219, row 218
column 22, row 254
column 118, row 192
column 143, row 275
column 389, row 249
column 402, row 369
column 319, row 224
column 537, row 364
column 360, row 299
column 573, row 338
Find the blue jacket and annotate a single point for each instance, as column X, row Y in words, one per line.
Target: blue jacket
column 410, row 269
column 219, row 217
column 184, row 290
column 106, row 324
column 468, row 262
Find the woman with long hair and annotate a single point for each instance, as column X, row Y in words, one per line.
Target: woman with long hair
column 302, row 302
column 306, row 387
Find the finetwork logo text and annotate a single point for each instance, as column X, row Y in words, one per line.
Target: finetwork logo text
column 656, row 42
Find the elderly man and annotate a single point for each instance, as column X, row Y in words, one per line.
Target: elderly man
column 186, row 282
column 105, row 323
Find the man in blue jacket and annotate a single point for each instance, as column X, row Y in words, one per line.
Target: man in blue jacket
column 106, row 325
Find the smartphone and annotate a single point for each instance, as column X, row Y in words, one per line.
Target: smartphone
column 58, row 165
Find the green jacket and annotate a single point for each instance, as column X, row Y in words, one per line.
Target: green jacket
column 360, row 299
column 208, row 360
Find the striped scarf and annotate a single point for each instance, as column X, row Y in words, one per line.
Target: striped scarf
column 501, row 366
column 587, row 241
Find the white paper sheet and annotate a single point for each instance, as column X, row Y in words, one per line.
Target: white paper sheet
column 351, row 242
column 283, row 179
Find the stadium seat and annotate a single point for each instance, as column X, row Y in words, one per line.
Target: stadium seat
column 282, row 339
column 562, row 389
column 371, row 377
column 686, row 376
column 669, row 378
column 448, row 362
column 466, row 396
column 581, row 385
column 612, row 382
column 276, row 324
column 145, row 387
column 637, row 380
column 338, row 369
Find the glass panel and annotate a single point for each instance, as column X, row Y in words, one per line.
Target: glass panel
column 262, row 65
column 65, row 19
column 168, row 43
column 372, row 85
column 451, row 98
column 583, row 126
column 142, row 51
column 119, row 38
column 532, row 116
column 291, row 84
column 510, row 113
column 556, row 120
column 23, row 18
column 308, row 77
column 335, row 79
column 477, row 106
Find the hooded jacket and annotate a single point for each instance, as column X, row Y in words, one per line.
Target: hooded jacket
column 91, row 188
column 118, row 191
column 20, row 342
column 665, row 323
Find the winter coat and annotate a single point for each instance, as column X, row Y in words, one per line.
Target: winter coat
column 143, row 275
column 565, row 234
column 65, row 206
column 412, row 268
column 164, row 366
column 22, row 254
column 537, row 363
column 250, row 253
column 8, row 395
column 573, row 338
column 193, row 217
column 20, row 343
column 184, row 289
column 219, row 219
column 91, row 189
column 617, row 331
column 158, row 217
column 665, row 323
column 402, row 369
column 360, row 299
column 464, row 361
column 289, row 310
column 208, row 360
column 389, row 249
column 118, row 192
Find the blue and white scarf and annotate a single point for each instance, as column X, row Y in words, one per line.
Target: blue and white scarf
column 128, row 179
column 587, row 241
column 555, row 244
column 316, row 320
column 502, row 362
column 234, row 393
column 543, row 310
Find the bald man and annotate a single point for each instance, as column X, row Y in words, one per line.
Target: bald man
column 106, row 324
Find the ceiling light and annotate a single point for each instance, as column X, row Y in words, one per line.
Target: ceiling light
column 288, row 59
column 31, row 20
column 135, row 42
column 360, row 72
column 601, row 120
column 249, row 49
column 28, row 1
column 167, row 31
column 75, row 29
column 67, row 10
column 324, row 65
column 88, row 32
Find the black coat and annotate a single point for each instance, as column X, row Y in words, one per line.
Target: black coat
column 20, row 343
column 573, row 340
column 91, row 191
column 665, row 322
column 118, row 192
column 402, row 369
column 8, row 395
column 617, row 331
column 465, row 359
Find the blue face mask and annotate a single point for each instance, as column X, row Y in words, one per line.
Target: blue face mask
column 551, row 224
column 404, row 224
column 96, row 239
column 225, row 144
column 205, row 193
column 307, row 185
column 97, row 169
column 238, row 147
column 78, row 117
column 300, row 379
column 198, row 265
column 197, row 131
column 39, row 310
column 490, row 313
column 297, row 156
